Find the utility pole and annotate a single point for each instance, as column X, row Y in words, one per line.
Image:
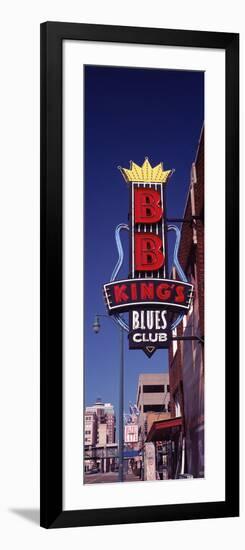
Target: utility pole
column 121, row 403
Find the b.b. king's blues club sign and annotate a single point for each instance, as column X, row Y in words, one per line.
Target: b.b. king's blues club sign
column 155, row 303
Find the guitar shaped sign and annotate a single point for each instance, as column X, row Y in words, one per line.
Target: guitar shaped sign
column 155, row 303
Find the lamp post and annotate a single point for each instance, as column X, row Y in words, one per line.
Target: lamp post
column 96, row 329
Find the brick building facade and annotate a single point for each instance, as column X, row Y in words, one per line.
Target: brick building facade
column 186, row 358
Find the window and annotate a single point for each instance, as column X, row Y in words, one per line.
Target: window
column 87, row 432
column 184, row 322
column 177, row 404
column 174, row 342
column 153, row 408
column 168, row 388
column 154, row 388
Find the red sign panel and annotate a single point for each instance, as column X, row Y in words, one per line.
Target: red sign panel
column 154, row 293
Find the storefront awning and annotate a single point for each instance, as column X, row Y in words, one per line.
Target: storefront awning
column 163, row 429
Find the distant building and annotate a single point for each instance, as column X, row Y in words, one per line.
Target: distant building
column 153, row 401
column 90, row 428
column 100, row 449
column 105, row 422
column 102, row 435
column 110, row 423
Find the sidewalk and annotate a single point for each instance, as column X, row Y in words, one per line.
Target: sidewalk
column 109, row 477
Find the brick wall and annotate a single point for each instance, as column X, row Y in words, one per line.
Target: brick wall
column 199, row 201
column 191, row 257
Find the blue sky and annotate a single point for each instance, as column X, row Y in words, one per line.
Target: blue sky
column 129, row 114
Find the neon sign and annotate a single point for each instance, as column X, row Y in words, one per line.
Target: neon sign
column 155, row 303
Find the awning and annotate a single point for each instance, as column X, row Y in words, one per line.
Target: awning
column 163, row 429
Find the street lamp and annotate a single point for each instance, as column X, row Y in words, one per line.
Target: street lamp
column 96, row 329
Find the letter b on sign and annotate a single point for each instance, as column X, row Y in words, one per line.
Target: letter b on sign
column 148, row 252
column 147, row 208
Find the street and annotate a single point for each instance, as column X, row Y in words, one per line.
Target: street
column 109, row 477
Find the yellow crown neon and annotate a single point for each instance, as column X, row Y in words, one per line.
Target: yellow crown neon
column 146, row 173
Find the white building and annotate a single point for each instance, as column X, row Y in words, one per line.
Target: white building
column 102, row 435
column 90, row 428
column 105, row 423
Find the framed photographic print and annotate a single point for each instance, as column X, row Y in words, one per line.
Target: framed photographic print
column 139, row 274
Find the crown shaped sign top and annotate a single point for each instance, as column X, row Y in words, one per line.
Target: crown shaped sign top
column 146, row 173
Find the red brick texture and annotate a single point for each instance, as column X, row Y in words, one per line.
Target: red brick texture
column 191, row 257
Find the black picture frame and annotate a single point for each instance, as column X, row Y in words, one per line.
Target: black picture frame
column 52, row 35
